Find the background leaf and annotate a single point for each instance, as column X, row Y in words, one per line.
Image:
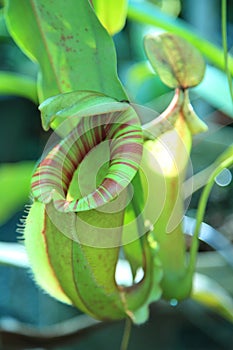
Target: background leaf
column 18, row 84
column 112, row 14
column 211, row 294
column 14, row 187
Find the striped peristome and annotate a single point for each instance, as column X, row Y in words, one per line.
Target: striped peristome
column 53, row 176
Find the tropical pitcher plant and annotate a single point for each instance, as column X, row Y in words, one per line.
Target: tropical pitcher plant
column 108, row 186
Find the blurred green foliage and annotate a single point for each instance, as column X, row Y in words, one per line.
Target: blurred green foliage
column 14, row 187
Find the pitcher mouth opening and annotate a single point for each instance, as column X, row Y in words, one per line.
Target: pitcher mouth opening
column 123, row 134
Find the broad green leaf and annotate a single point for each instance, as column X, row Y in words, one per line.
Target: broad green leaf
column 112, row 14
column 78, row 104
column 178, row 64
column 72, row 48
column 146, row 13
column 14, row 188
column 19, row 85
column 208, row 292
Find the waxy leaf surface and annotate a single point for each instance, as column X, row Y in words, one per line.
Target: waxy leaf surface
column 72, row 48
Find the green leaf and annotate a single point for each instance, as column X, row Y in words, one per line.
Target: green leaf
column 146, row 13
column 19, row 85
column 14, row 188
column 178, row 63
column 74, row 51
column 208, row 292
column 112, row 14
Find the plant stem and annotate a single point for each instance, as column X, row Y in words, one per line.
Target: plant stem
column 126, row 335
column 225, row 45
column 201, row 210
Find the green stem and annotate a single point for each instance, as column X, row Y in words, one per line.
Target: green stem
column 148, row 14
column 137, row 203
column 166, row 120
column 18, row 85
column 225, row 45
column 201, row 210
column 126, row 335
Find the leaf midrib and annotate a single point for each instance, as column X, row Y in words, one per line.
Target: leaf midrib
column 43, row 36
